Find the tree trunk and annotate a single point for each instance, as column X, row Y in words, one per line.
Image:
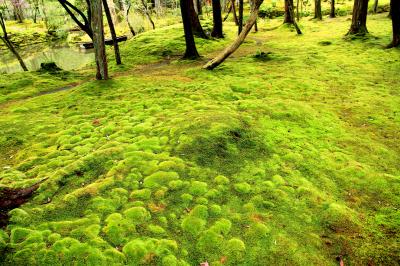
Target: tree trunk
column 98, row 39
column 317, row 10
column 288, row 15
column 359, row 20
column 128, row 21
column 333, row 10
column 71, row 10
column 375, row 8
column 239, row 40
column 395, row 12
column 232, row 9
column 197, row 29
column 9, row 44
column 217, row 19
column 191, row 51
column 199, row 7
column 147, row 13
column 240, row 20
column 297, row 10
column 112, row 31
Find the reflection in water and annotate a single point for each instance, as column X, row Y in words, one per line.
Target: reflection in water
column 66, row 58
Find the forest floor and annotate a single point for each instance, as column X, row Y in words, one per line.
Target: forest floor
column 287, row 154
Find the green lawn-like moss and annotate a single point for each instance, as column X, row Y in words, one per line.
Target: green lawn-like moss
column 292, row 160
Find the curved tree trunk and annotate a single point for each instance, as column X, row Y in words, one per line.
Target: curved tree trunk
column 359, row 20
column 9, row 44
column 128, row 21
column 98, row 39
column 217, row 19
column 333, row 10
column 395, row 12
column 191, row 51
column 288, row 15
column 317, row 10
column 195, row 22
column 112, row 31
column 239, row 40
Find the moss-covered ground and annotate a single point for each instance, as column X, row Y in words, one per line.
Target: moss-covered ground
column 287, row 154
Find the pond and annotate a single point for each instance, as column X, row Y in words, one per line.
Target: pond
column 67, row 58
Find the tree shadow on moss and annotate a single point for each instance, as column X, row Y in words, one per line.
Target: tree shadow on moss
column 226, row 149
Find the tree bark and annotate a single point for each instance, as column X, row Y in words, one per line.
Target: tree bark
column 359, row 20
column 240, row 20
column 197, row 29
column 233, row 10
column 375, row 8
column 333, row 9
column 239, row 40
column 112, row 31
column 199, row 7
column 288, row 15
column 395, row 12
column 191, row 51
column 317, row 10
column 98, row 39
column 9, row 44
column 128, row 21
column 86, row 25
column 147, row 13
column 217, row 19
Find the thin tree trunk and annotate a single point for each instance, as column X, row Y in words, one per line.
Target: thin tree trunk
column 333, row 10
column 197, row 29
column 227, row 14
column 288, row 15
column 217, row 19
column 98, row 39
column 9, row 44
column 128, row 21
column 240, row 20
column 359, row 20
column 234, row 13
column 147, row 13
column 395, row 13
column 112, row 31
column 191, row 51
column 86, row 25
column 375, row 8
column 113, row 13
column 239, row 40
column 317, row 10
column 199, row 7
column 297, row 10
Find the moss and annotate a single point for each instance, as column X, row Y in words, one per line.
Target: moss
column 141, row 194
column 198, row 188
column 156, row 229
column 221, row 180
column 19, row 216
column 309, row 137
column 193, row 225
column 235, row 249
column 243, row 187
column 200, row 211
column 210, row 242
column 137, row 215
column 159, row 179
